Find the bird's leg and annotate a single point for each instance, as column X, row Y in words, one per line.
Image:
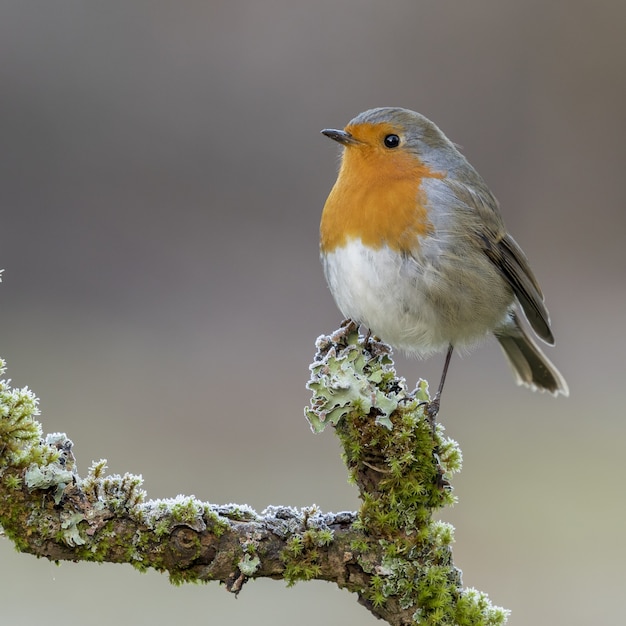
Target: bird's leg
column 433, row 406
column 368, row 337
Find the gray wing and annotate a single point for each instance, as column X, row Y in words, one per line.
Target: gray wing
column 509, row 258
column 502, row 249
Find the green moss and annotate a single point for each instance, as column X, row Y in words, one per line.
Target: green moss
column 20, row 433
column 186, row 510
column 141, row 567
column 122, row 493
column 376, row 591
column 162, row 528
column 12, row 481
column 432, row 585
column 294, row 548
column 359, row 545
column 215, row 523
column 409, row 488
column 185, row 576
column 474, row 609
column 320, row 537
column 296, row 571
column 301, row 555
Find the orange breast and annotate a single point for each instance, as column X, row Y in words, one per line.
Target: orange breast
column 378, row 199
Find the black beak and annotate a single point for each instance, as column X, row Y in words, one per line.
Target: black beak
column 340, row 136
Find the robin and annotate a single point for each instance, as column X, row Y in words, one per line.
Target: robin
column 414, row 248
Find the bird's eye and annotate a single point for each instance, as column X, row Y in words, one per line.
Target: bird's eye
column 391, row 141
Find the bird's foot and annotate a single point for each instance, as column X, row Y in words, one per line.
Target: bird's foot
column 431, row 410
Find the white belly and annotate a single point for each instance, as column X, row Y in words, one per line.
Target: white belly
column 417, row 306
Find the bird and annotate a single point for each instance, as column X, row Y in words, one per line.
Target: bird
column 414, row 248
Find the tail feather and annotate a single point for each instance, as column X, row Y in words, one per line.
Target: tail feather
column 530, row 365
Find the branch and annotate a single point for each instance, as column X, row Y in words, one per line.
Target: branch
column 392, row 554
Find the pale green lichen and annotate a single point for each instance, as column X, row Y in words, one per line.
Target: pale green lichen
column 69, row 523
column 251, row 546
column 347, row 379
column 248, row 564
column 48, row 477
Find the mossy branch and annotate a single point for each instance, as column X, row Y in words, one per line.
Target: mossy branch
column 392, row 554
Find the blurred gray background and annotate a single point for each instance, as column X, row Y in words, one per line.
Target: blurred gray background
column 161, row 182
